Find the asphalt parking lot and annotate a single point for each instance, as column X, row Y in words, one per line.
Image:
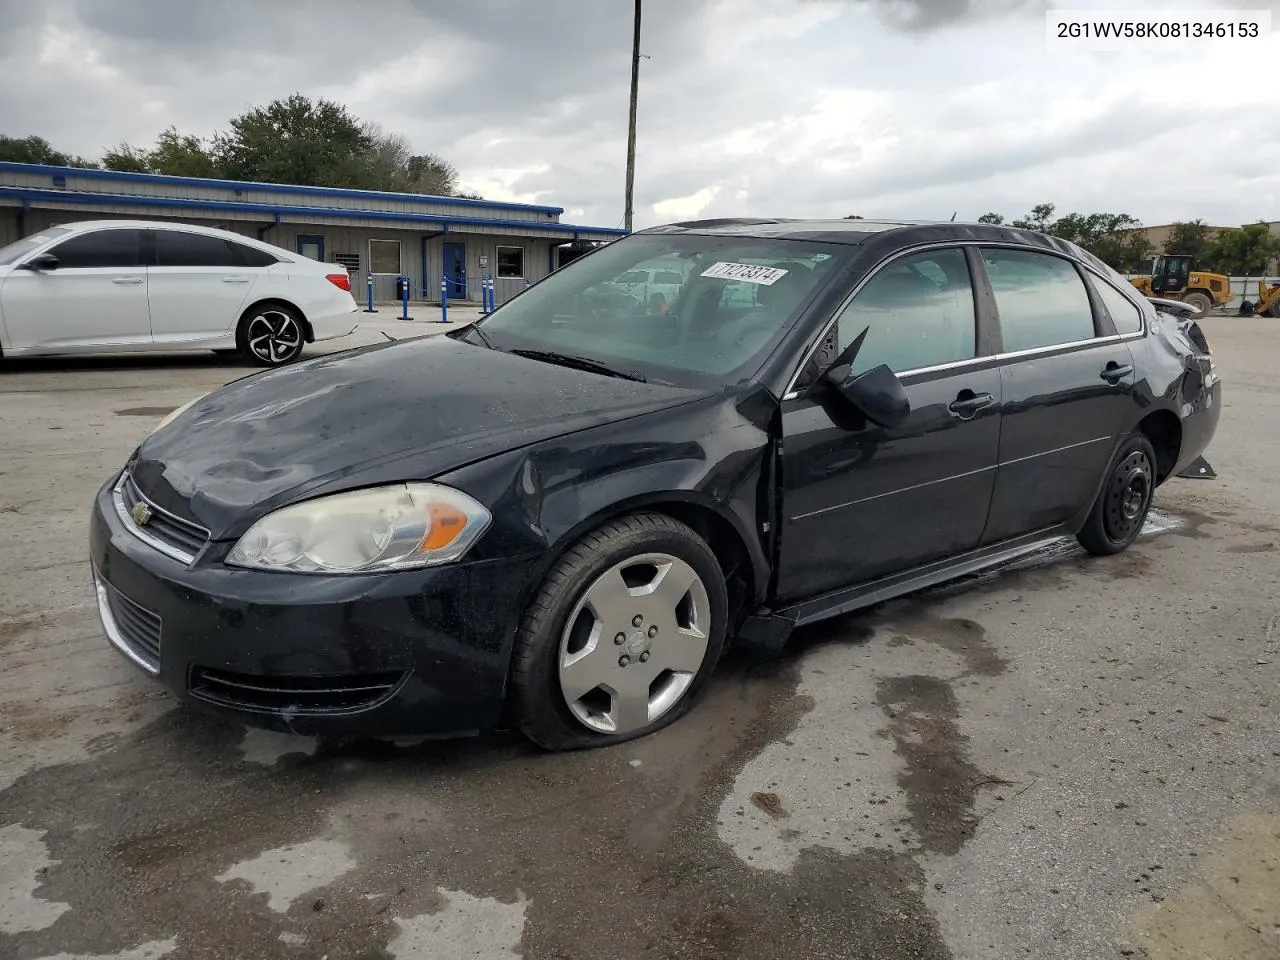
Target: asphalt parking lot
column 1073, row 758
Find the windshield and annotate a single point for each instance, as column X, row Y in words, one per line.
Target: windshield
column 19, row 249
column 676, row 308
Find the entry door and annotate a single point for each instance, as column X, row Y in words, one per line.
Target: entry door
column 198, row 286
column 455, row 268
column 861, row 501
column 1068, row 392
column 95, row 298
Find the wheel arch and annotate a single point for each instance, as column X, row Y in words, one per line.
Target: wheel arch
column 1164, row 430
column 746, row 572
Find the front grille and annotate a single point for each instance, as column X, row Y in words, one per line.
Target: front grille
column 292, row 694
column 133, row 628
column 179, row 538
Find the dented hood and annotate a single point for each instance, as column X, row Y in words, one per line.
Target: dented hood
column 408, row 410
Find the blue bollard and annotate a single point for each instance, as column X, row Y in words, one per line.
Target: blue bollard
column 444, row 300
column 404, row 299
column 369, row 289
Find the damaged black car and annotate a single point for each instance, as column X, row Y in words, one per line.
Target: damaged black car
column 559, row 517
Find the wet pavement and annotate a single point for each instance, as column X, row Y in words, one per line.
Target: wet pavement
column 1072, row 758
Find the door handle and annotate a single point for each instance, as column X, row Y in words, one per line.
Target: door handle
column 235, row 279
column 126, row 279
column 1114, row 372
column 968, row 403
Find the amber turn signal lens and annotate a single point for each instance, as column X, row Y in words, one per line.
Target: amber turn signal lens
column 446, row 523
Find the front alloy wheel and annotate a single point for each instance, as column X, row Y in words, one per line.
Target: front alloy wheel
column 622, row 636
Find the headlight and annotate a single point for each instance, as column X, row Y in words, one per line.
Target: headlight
column 382, row 528
column 174, row 414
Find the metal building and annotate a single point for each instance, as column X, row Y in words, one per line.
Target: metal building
column 372, row 234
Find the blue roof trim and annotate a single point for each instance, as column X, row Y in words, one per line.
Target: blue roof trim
column 28, row 195
column 247, row 185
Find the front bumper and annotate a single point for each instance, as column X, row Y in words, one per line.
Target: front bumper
column 396, row 654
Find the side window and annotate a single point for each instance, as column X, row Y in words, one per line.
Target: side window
column 249, row 256
column 175, row 248
column 1125, row 313
column 917, row 312
column 1041, row 299
column 101, row 248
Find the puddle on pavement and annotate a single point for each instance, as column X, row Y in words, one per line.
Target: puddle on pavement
column 144, row 411
column 1229, row 908
column 175, row 835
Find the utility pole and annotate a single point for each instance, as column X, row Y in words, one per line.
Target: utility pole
column 631, row 129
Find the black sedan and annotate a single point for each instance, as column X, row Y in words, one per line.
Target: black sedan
column 561, row 515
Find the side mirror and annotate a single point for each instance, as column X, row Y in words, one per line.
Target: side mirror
column 44, row 261
column 877, row 393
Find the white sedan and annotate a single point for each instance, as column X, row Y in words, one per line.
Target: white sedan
column 128, row 285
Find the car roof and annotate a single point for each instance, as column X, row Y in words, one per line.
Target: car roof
column 81, row 226
column 880, row 234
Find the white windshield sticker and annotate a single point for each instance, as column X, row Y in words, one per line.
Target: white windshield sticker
column 747, row 272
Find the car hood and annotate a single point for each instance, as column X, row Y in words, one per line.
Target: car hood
column 414, row 408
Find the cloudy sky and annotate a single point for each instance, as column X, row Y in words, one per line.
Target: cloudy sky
column 900, row 108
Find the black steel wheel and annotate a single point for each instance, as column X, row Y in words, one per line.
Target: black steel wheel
column 1120, row 511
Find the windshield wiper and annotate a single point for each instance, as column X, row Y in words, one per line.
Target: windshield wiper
column 581, row 363
column 480, row 333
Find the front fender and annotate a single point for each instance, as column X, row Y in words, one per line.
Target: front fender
column 711, row 455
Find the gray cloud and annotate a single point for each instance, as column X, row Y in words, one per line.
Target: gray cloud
column 778, row 107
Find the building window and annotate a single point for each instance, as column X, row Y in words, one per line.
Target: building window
column 384, row 257
column 511, row 263
column 349, row 260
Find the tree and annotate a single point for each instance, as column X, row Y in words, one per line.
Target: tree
column 1244, row 252
column 394, row 166
column 127, row 158
column 853, row 216
column 182, row 156
column 1114, row 238
column 1040, row 218
column 296, row 140
column 1194, row 239
column 38, row 150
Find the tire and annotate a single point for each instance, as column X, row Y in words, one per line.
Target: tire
column 271, row 334
column 569, row 674
column 1202, row 303
column 1120, row 511
column 1273, row 308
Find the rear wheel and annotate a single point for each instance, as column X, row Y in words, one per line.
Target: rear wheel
column 1202, row 303
column 1121, row 509
column 271, row 334
column 622, row 637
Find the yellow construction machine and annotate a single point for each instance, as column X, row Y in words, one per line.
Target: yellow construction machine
column 1268, row 304
column 1172, row 278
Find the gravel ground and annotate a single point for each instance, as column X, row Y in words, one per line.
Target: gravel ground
column 1073, row 758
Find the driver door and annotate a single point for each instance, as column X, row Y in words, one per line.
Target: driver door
column 862, row 501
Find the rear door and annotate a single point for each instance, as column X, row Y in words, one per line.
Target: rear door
column 96, row 297
column 1067, row 383
column 861, row 501
column 199, row 285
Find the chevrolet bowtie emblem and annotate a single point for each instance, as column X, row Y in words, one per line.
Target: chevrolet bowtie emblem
column 141, row 514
